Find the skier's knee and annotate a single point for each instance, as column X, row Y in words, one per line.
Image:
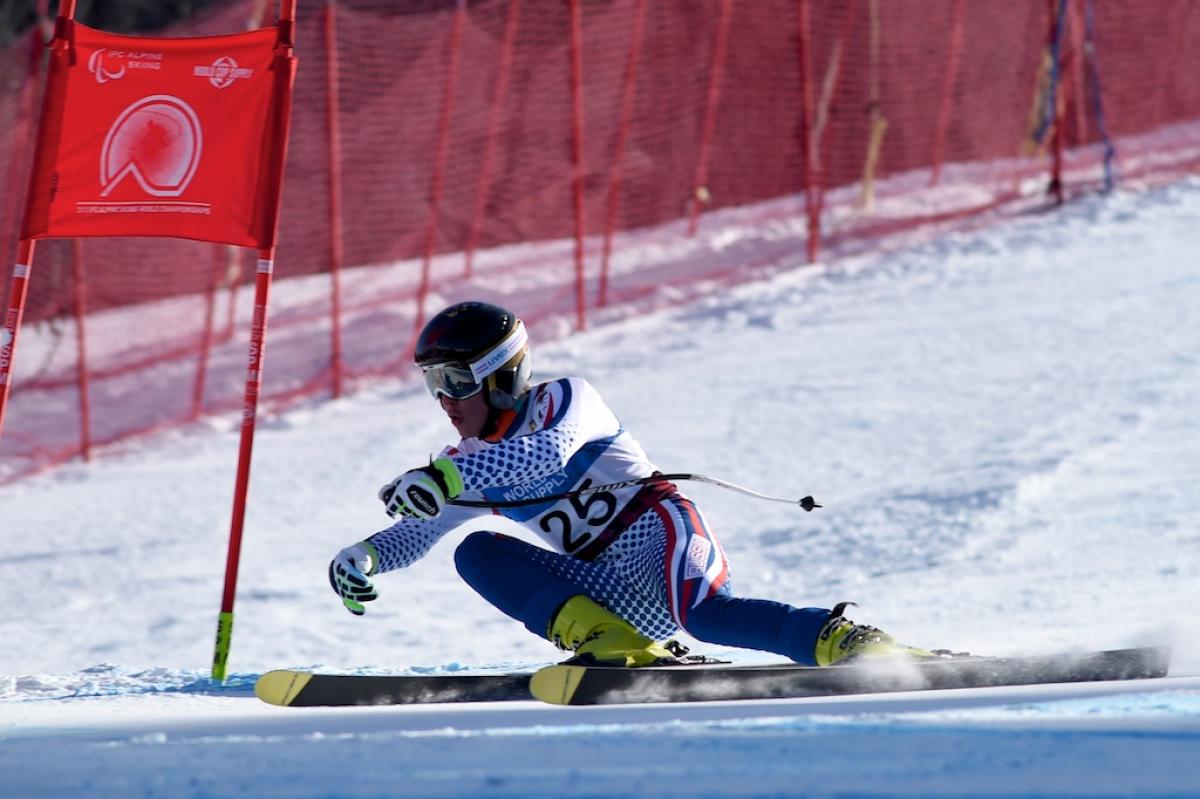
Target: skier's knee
column 476, row 552
column 508, row 573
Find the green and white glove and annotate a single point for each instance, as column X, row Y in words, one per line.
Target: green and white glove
column 422, row 493
column 349, row 574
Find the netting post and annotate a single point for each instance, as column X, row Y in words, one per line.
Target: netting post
column 829, row 89
column 948, row 80
column 1079, row 92
column 614, row 180
column 495, row 115
column 12, row 320
column 239, row 262
column 577, row 166
column 879, row 122
column 336, row 250
column 20, row 154
column 206, row 333
column 440, row 155
column 811, row 176
column 81, row 362
column 1054, row 111
column 1097, row 98
column 20, row 276
column 700, row 193
column 261, row 14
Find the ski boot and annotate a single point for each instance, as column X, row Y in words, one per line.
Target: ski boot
column 841, row 639
column 599, row 637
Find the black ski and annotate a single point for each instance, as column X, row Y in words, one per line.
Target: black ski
column 600, row 685
column 587, row 685
column 306, row 689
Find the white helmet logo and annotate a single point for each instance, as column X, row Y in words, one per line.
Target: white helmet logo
column 158, row 141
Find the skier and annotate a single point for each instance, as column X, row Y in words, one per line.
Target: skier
column 629, row 567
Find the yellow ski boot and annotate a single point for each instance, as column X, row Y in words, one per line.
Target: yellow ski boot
column 597, row 636
column 841, row 638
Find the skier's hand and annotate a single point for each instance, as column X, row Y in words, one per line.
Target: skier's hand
column 422, row 493
column 349, row 575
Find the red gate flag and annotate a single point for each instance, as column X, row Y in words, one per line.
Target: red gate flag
column 161, row 137
column 180, row 138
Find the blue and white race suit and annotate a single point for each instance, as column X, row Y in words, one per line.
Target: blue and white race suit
column 643, row 551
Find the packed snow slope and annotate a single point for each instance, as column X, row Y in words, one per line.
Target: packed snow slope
column 1001, row 425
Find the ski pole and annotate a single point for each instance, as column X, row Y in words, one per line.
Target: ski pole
column 808, row 503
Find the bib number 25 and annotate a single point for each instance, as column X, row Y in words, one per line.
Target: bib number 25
column 593, row 509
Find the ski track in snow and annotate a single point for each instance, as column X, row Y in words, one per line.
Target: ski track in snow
column 1000, row 423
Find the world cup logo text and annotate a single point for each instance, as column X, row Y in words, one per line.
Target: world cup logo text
column 222, row 72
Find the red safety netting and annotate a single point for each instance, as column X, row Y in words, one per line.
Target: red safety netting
column 466, row 132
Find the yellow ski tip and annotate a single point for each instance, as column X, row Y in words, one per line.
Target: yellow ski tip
column 280, row 687
column 556, row 684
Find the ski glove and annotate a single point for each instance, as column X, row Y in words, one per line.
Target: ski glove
column 422, row 493
column 348, row 574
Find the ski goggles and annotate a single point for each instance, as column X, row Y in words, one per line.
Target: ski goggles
column 452, row 380
column 459, row 381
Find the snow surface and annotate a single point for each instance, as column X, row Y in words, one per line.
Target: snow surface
column 1001, row 424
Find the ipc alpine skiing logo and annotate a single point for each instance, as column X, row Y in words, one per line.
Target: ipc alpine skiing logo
column 99, row 66
column 157, row 140
column 106, row 65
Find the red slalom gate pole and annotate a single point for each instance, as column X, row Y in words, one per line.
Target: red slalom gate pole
column 285, row 74
column 12, row 320
column 258, row 334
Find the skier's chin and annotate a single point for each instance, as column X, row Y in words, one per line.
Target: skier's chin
column 462, row 426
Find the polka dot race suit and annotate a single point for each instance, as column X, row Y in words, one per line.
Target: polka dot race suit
column 642, row 551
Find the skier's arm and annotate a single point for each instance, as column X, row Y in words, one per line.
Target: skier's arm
column 408, row 540
column 400, row 545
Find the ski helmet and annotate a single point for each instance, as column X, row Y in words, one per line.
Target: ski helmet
column 472, row 347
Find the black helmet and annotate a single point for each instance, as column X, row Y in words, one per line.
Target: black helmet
column 474, row 346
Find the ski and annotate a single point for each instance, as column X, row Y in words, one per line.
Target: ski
column 565, row 684
column 307, row 689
